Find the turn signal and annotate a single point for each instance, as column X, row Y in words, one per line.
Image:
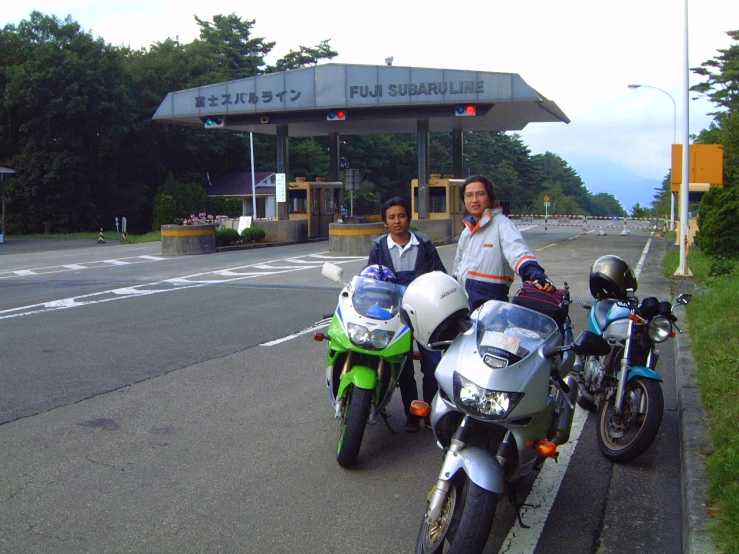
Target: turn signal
column 416, row 355
column 420, row 408
column 547, row 449
column 318, row 337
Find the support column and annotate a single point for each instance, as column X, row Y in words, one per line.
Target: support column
column 283, row 166
column 423, row 168
column 334, row 157
column 458, row 154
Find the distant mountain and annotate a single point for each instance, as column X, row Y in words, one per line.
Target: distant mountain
column 618, row 180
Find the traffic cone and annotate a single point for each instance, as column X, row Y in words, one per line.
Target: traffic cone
column 101, row 238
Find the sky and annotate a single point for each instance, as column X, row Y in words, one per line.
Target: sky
column 581, row 54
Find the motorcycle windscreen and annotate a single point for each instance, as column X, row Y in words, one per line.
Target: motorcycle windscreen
column 377, row 299
column 507, row 333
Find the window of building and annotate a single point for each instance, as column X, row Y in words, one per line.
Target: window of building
column 298, row 201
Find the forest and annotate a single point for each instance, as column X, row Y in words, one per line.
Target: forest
column 77, row 130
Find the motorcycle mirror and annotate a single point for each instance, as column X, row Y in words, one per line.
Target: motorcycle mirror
column 589, row 344
column 333, row 272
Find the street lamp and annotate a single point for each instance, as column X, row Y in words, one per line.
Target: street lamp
column 674, row 141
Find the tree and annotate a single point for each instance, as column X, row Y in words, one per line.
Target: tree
column 639, row 211
column 718, row 221
column 661, row 202
column 561, row 203
column 189, row 198
column 722, row 76
column 719, row 209
column 65, row 113
column 227, row 43
column 304, row 56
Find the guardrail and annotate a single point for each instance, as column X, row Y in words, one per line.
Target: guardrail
column 587, row 223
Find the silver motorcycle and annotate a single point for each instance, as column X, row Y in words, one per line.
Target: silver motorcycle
column 505, row 402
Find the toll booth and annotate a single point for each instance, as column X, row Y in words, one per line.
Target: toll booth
column 317, row 202
column 445, row 200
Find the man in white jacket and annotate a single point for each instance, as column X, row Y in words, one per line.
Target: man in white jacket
column 491, row 249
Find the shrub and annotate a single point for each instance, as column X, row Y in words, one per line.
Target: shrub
column 221, row 205
column 165, row 211
column 226, row 237
column 722, row 266
column 718, row 221
column 253, row 234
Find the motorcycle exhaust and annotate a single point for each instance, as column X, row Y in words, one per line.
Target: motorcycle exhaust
column 586, row 396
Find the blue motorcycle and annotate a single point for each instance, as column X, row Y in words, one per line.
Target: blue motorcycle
column 624, row 386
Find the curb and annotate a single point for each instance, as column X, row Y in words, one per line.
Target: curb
column 693, row 443
column 251, row 246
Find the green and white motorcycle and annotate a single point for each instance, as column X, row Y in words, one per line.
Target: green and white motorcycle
column 367, row 347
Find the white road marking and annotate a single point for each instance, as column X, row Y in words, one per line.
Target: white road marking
column 640, row 263
column 115, row 262
column 75, row 266
column 290, row 337
column 167, row 285
column 540, row 500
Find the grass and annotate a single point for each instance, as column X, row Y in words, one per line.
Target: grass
column 109, row 236
column 713, row 319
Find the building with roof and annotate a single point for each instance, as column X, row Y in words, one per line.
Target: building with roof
column 335, row 99
column 239, row 185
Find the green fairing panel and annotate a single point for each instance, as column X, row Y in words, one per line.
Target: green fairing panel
column 339, row 342
column 362, row 377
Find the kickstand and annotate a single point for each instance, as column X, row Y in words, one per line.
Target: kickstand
column 517, row 506
column 385, row 417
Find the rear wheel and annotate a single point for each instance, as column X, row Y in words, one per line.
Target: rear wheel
column 624, row 437
column 464, row 523
column 353, row 422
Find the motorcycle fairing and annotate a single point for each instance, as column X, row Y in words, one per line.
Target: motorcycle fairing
column 536, row 429
column 640, row 371
column 605, row 312
column 400, row 344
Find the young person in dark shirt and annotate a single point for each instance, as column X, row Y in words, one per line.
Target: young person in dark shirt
column 408, row 254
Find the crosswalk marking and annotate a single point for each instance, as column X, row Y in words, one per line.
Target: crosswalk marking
column 215, row 277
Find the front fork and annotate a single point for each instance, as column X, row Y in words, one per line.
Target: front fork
column 625, row 367
column 444, row 484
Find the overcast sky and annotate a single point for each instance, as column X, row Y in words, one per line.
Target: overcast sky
column 580, row 53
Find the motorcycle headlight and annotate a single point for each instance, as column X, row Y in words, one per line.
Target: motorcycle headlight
column 483, row 403
column 378, row 339
column 659, row 329
column 358, row 334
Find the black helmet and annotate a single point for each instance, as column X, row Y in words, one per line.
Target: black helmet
column 611, row 277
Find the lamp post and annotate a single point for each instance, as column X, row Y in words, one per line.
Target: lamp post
column 674, row 141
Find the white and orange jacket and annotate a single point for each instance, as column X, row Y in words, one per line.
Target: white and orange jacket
column 489, row 254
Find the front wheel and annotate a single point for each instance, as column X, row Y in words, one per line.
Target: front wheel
column 353, row 422
column 464, row 523
column 625, row 437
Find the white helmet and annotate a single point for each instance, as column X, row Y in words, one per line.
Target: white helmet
column 435, row 307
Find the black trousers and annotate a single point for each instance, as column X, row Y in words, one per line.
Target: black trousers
column 407, row 382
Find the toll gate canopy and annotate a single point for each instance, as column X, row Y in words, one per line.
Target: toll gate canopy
column 362, row 99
